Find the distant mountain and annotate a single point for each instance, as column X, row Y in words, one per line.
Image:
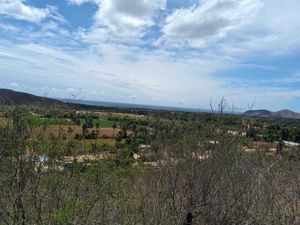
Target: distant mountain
column 10, row 97
column 131, row 106
column 287, row 114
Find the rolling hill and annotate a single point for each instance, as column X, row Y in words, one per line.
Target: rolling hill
column 10, row 97
column 285, row 114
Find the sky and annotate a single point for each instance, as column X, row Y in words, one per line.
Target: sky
column 181, row 53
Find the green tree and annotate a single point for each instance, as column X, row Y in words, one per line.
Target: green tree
column 114, row 126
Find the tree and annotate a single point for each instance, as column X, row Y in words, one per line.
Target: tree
column 13, row 157
column 85, row 131
column 97, row 125
column 124, row 130
column 89, row 121
column 114, row 126
column 279, row 148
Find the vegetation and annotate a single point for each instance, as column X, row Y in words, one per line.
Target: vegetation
column 60, row 167
column 98, row 122
column 49, row 121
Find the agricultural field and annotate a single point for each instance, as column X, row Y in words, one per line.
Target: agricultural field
column 63, row 121
column 126, row 161
column 113, row 114
column 101, row 122
column 72, row 130
column 49, row 121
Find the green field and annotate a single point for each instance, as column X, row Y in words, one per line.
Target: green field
column 49, row 121
column 102, row 122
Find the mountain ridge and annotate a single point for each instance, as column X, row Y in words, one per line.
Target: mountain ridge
column 282, row 114
column 11, row 97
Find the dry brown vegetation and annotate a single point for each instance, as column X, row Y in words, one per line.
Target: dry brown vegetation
column 112, row 114
column 226, row 187
column 100, row 141
column 72, row 130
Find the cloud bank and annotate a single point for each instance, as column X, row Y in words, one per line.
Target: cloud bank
column 155, row 52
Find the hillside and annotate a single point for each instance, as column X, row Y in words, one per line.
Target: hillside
column 286, row 114
column 10, row 97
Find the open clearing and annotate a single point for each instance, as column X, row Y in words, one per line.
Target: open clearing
column 99, row 141
column 114, row 114
column 62, row 121
column 101, row 122
column 72, row 130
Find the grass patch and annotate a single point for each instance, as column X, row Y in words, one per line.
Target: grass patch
column 102, row 122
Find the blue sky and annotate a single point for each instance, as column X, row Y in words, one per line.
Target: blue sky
column 161, row 52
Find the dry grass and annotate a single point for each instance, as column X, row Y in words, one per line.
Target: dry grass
column 87, row 157
column 114, row 114
column 266, row 147
column 129, row 115
column 108, row 132
column 99, row 141
column 72, row 130
column 3, row 121
column 249, row 150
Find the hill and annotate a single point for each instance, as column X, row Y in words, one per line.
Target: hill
column 10, row 97
column 285, row 114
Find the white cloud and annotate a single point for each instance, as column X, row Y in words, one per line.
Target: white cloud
column 13, row 84
column 123, row 18
column 207, row 22
column 17, row 9
column 54, row 28
column 274, row 30
column 150, row 77
column 79, row 2
column 128, row 17
column 107, row 69
column 292, row 79
column 9, row 28
column 156, row 78
column 231, row 28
